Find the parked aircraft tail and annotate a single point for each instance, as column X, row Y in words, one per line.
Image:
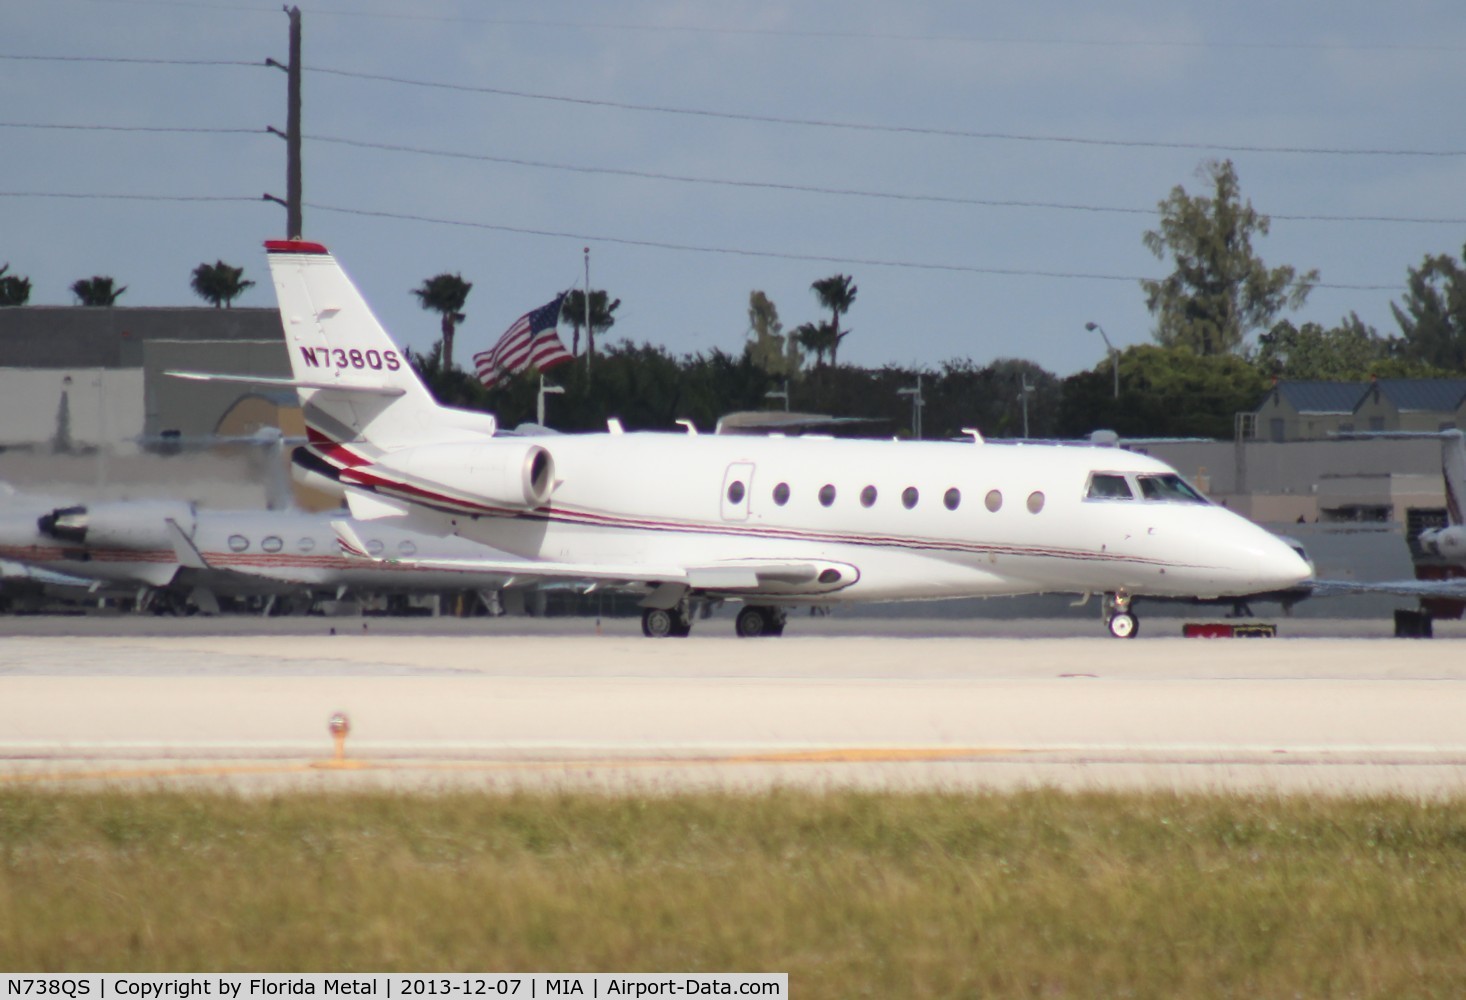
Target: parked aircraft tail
column 356, row 384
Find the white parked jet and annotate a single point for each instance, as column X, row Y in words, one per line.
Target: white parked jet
column 769, row 521
column 179, row 556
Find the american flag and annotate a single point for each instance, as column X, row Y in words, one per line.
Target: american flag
column 530, row 341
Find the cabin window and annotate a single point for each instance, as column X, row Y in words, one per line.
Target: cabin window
column 909, row 497
column 781, row 494
column 306, row 544
column 407, row 547
column 735, row 492
column 1169, row 489
column 375, row 546
column 868, row 497
column 238, row 543
column 994, row 501
column 952, row 499
column 272, row 543
column 1035, row 501
column 827, row 495
column 1109, row 486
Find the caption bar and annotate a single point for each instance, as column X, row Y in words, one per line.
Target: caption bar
column 391, row 986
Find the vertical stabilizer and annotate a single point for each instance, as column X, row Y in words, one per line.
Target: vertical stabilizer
column 1453, row 466
column 356, row 384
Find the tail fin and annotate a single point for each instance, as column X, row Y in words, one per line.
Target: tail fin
column 355, row 383
column 1453, row 468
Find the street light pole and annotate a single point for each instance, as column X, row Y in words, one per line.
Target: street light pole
column 1114, row 354
column 546, row 388
column 916, row 404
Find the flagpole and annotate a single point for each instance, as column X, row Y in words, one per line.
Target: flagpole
column 590, row 342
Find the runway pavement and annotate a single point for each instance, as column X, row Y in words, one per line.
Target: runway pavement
column 496, row 707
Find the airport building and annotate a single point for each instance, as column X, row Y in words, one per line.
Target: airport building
column 89, row 411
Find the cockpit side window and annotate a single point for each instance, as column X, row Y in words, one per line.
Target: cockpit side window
column 1109, row 486
column 1169, row 488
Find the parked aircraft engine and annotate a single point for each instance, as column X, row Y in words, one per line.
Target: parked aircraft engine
column 1449, row 543
column 131, row 525
column 508, row 473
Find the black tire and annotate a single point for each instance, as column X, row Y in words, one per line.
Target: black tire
column 658, row 623
column 753, row 622
column 1124, row 625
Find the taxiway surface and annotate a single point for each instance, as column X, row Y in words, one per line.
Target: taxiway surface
column 872, row 707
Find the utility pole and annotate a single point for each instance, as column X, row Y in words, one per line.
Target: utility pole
column 917, row 402
column 294, row 226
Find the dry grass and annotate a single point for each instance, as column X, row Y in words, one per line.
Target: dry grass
column 1034, row 894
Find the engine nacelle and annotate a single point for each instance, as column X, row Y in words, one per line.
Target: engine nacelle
column 503, row 473
column 1449, row 543
column 133, row 525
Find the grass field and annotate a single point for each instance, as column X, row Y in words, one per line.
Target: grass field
column 1036, row 894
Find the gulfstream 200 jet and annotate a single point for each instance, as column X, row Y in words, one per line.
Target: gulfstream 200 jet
column 770, row 522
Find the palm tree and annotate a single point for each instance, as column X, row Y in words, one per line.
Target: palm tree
column 572, row 311
column 818, row 338
column 219, row 283
column 96, row 291
column 14, row 291
column 836, row 294
column 445, row 294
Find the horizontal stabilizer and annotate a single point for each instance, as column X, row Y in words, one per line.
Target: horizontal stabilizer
column 291, row 383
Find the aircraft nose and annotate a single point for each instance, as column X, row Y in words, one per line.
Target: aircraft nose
column 1279, row 565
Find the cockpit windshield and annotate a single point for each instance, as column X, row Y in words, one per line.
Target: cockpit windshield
column 1109, row 486
column 1169, row 488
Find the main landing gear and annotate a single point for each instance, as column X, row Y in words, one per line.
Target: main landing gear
column 753, row 621
column 662, row 623
column 1119, row 619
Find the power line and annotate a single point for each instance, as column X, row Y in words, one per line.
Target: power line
column 102, row 196
column 133, row 60
column 869, row 127
column 835, row 191
column 179, row 129
column 653, row 244
column 797, row 33
column 782, row 255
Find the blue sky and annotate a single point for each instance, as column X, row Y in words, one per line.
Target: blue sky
column 1087, row 114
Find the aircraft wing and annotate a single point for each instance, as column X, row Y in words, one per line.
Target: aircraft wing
column 1455, row 588
column 794, row 576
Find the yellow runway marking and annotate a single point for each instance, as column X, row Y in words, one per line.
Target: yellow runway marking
column 846, row 755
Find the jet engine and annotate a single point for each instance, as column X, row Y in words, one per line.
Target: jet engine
column 1449, row 543
column 131, row 525
column 503, row 473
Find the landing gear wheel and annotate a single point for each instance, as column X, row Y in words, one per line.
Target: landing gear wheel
column 1124, row 625
column 662, row 623
column 755, row 621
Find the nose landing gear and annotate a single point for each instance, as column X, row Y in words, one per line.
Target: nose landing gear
column 1119, row 619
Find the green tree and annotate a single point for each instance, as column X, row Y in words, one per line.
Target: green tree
column 14, row 290
column 98, row 290
column 1220, row 290
column 572, row 311
column 1349, row 352
column 769, row 348
column 219, row 284
column 837, row 294
column 1433, row 319
column 445, row 295
column 1164, row 392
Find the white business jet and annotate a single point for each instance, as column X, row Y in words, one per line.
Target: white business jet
column 771, row 522
column 179, row 557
